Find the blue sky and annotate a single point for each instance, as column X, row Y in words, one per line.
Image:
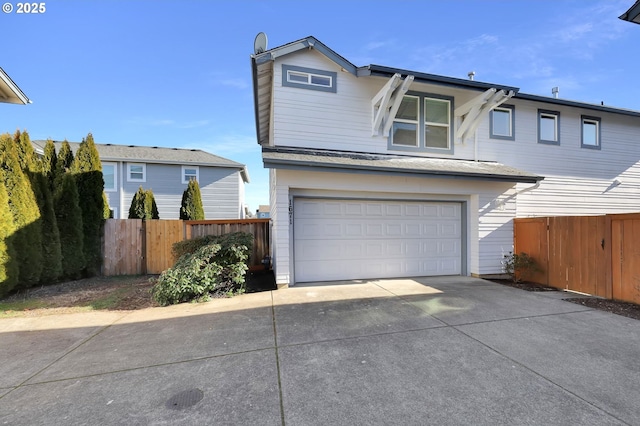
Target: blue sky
column 177, row 73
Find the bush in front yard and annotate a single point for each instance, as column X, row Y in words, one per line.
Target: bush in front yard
column 214, row 269
column 181, row 248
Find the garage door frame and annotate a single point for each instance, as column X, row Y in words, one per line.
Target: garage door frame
column 463, row 221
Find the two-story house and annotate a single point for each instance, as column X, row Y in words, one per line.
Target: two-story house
column 381, row 172
column 167, row 171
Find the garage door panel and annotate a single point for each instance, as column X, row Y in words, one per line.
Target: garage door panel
column 354, row 239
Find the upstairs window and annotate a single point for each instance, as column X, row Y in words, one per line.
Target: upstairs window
column 423, row 122
column 137, row 172
column 190, row 173
column 109, row 176
column 502, row 122
column 549, row 127
column 309, row 78
column 590, row 132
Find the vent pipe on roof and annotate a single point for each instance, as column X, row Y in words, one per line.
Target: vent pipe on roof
column 471, row 75
column 555, row 91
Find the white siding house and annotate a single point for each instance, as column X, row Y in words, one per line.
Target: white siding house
column 382, row 172
column 166, row 171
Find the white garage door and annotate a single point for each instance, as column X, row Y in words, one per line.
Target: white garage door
column 353, row 239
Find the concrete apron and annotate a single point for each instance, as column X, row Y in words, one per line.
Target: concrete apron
column 446, row 350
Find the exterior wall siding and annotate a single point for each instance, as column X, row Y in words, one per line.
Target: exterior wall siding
column 577, row 180
column 221, row 191
column 494, row 235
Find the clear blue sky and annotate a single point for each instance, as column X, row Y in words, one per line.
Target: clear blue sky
column 177, row 73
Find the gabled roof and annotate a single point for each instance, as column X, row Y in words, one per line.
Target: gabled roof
column 10, row 92
column 154, row 155
column 328, row 160
column 633, row 14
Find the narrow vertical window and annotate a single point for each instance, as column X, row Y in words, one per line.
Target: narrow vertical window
column 109, row 176
column 436, row 123
column 590, row 132
column 549, row 127
column 405, row 125
column 502, row 122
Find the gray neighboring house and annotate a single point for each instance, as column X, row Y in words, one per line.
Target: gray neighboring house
column 10, row 93
column 167, row 171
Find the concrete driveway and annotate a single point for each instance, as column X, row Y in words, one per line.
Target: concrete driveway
column 450, row 350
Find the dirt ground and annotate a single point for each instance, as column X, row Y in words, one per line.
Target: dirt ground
column 125, row 293
column 626, row 309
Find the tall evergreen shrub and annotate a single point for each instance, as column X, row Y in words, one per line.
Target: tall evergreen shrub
column 8, row 255
column 143, row 205
column 87, row 171
column 26, row 214
column 191, row 206
column 69, row 216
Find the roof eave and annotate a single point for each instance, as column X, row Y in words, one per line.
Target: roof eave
column 633, row 14
column 299, row 165
column 383, row 71
column 18, row 95
column 577, row 104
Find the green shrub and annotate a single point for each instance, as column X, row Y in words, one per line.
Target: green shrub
column 143, row 205
column 520, row 266
column 181, row 248
column 191, row 206
column 213, row 269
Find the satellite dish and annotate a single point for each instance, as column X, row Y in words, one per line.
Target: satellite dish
column 260, row 43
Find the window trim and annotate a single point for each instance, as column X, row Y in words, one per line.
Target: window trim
column 422, row 123
column 597, row 121
column 512, row 113
column 311, row 72
column 115, row 176
column 185, row 181
column 556, row 116
column 144, row 172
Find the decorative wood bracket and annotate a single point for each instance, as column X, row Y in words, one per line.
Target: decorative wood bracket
column 386, row 102
column 474, row 111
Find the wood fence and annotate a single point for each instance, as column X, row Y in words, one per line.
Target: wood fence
column 597, row 255
column 133, row 246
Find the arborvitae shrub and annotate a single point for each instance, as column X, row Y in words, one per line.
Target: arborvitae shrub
column 26, row 215
column 143, row 205
column 87, row 170
column 8, row 255
column 191, row 206
column 69, row 216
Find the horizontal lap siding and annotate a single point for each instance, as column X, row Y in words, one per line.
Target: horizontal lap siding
column 219, row 188
column 578, row 181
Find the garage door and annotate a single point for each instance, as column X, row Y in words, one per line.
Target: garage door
column 354, row 239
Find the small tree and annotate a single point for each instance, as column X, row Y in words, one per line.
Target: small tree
column 49, row 161
column 143, row 205
column 191, row 206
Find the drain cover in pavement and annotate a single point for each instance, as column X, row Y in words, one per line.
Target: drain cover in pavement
column 185, row 399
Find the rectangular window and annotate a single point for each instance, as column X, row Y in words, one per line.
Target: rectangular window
column 549, row 127
column 590, row 132
column 405, row 126
column 190, row 173
column 423, row 122
column 502, row 123
column 109, row 176
column 436, row 123
column 309, row 78
column 136, row 172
